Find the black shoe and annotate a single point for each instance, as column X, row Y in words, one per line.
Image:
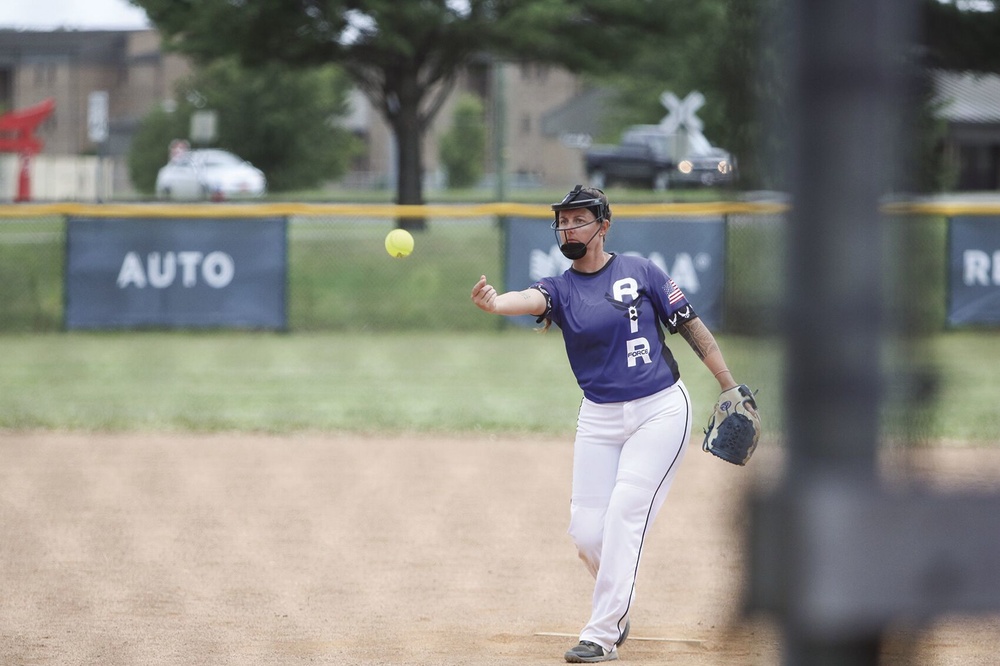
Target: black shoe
column 587, row 653
column 628, row 625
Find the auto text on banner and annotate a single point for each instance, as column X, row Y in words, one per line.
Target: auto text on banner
column 974, row 270
column 691, row 251
column 176, row 273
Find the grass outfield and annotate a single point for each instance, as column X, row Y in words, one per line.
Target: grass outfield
column 506, row 382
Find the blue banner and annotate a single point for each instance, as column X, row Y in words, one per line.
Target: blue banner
column 176, row 273
column 974, row 270
column 691, row 251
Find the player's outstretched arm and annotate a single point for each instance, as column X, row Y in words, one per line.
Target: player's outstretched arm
column 704, row 345
column 511, row 303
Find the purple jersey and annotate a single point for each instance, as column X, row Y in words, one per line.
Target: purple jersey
column 610, row 322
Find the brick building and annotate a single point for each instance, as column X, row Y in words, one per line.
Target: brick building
column 67, row 65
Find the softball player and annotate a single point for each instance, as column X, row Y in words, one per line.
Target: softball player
column 635, row 418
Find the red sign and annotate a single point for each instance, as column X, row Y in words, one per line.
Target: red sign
column 17, row 128
column 17, row 135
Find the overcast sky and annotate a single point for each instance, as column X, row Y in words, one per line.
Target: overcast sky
column 71, row 14
column 120, row 15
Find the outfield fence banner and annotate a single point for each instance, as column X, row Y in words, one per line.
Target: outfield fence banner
column 690, row 250
column 176, row 273
column 973, row 270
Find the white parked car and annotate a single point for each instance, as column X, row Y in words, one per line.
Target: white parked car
column 211, row 174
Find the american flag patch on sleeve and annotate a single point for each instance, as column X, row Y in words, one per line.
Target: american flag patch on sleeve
column 674, row 293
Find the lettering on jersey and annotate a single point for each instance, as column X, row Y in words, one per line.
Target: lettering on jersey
column 626, row 287
column 638, row 350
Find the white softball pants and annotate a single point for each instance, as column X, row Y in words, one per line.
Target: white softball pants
column 625, row 457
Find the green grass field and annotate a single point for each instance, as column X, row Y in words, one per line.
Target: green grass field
column 380, row 344
column 514, row 381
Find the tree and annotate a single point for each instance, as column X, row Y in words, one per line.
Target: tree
column 736, row 53
column 951, row 36
column 404, row 55
column 716, row 49
column 959, row 37
column 282, row 120
column 683, row 61
column 148, row 150
column 754, row 77
column 463, row 147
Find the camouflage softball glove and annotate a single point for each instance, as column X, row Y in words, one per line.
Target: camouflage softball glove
column 734, row 427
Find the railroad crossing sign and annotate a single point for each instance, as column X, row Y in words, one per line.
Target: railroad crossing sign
column 682, row 119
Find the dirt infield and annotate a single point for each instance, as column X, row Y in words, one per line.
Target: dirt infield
column 335, row 549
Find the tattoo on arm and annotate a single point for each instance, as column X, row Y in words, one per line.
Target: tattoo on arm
column 699, row 337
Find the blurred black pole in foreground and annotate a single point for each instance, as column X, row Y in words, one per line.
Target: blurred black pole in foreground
column 834, row 556
column 847, row 91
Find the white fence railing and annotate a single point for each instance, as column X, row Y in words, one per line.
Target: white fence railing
column 58, row 177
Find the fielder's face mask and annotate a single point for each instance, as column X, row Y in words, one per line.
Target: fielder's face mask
column 593, row 200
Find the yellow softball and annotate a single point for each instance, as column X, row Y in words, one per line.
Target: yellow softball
column 399, row 243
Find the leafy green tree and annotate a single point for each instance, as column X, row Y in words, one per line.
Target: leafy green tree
column 959, row 37
column 149, row 148
column 405, row 54
column 463, row 147
column 752, row 78
column 684, row 60
column 736, row 53
column 716, row 48
column 282, row 120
